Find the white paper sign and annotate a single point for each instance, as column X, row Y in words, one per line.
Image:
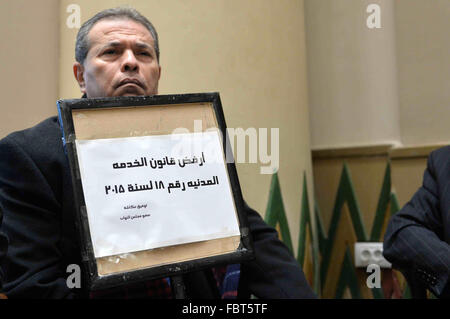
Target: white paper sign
column 155, row 191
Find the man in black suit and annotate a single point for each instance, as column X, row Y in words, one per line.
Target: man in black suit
column 117, row 54
column 417, row 240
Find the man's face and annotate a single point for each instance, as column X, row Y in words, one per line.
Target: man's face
column 121, row 61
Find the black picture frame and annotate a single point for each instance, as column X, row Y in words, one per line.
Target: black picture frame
column 92, row 279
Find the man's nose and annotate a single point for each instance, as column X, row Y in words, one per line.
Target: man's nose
column 129, row 63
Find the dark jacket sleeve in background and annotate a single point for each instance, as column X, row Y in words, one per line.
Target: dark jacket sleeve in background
column 417, row 237
column 3, row 249
column 274, row 273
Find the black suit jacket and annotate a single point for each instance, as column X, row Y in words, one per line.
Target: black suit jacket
column 418, row 236
column 3, row 250
column 37, row 201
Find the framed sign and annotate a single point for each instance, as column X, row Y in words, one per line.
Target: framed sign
column 155, row 185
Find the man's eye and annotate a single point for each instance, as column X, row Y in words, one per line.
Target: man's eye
column 145, row 53
column 109, row 52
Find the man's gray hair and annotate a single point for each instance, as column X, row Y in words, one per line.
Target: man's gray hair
column 82, row 45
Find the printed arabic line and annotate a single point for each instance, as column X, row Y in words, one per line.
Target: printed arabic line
column 160, row 163
column 193, row 184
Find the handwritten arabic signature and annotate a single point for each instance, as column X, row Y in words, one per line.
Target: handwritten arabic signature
column 135, row 207
column 129, row 217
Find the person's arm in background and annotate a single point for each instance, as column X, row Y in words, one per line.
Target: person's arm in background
column 274, row 273
column 414, row 240
column 3, row 250
column 33, row 267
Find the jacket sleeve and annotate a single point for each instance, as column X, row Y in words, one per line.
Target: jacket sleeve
column 3, row 250
column 31, row 219
column 414, row 239
column 274, row 273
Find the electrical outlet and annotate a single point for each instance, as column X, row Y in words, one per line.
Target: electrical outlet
column 370, row 253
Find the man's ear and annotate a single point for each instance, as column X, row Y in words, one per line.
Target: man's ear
column 78, row 72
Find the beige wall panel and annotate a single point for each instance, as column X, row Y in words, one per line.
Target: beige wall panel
column 352, row 74
column 29, row 67
column 389, row 84
column 253, row 53
column 423, row 48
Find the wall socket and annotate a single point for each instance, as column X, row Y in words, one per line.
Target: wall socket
column 370, row 253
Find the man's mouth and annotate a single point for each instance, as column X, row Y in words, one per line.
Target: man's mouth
column 130, row 81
